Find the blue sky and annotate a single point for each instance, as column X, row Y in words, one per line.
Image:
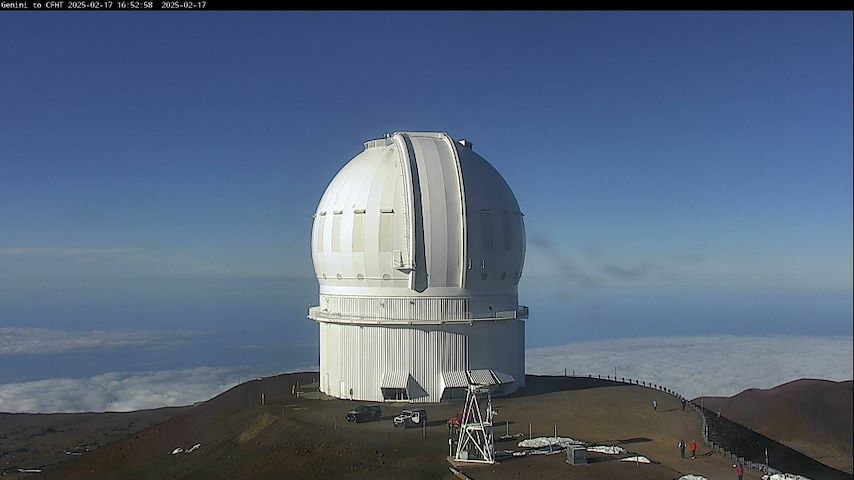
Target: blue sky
column 650, row 152
column 686, row 180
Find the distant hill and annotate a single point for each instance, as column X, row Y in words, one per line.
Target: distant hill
column 811, row 416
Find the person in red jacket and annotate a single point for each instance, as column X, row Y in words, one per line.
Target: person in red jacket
column 693, row 448
column 739, row 470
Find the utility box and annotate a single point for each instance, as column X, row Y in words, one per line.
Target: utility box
column 576, row 455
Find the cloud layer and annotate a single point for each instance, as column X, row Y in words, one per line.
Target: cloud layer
column 710, row 365
column 707, row 365
column 124, row 391
column 36, row 341
column 117, row 391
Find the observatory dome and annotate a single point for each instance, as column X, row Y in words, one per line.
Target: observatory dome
column 418, row 245
column 420, row 215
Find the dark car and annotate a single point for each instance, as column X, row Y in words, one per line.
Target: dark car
column 364, row 413
column 411, row 418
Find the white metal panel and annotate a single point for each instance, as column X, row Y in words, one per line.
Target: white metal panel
column 441, row 205
column 455, row 379
column 359, row 357
column 503, row 377
column 482, row 377
column 395, row 380
column 486, row 190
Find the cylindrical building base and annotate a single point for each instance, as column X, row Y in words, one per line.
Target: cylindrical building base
column 417, row 363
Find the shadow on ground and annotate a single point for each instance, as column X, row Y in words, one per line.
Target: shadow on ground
column 753, row 446
column 540, row 385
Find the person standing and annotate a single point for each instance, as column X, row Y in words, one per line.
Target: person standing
column 681, row 448
column 693, row 449
column 654, row 405
column 683, row 404
column 739, row 470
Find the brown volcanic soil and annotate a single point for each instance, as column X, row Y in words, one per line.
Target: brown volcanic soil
column 303, row 438
column 811, row 416
column 42, row 440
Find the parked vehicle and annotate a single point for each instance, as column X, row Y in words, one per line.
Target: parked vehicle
column 411, row 418
column 456, row 420
column 364, row 413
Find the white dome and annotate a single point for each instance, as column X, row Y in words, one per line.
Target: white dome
column 417, row 227
column 418, row 245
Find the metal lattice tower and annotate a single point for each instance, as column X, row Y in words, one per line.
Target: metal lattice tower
column 476, row 443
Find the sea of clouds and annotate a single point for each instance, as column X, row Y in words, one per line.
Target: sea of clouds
column 720, row 365
column 692, row 366
column 117, row 391
column 116, row 387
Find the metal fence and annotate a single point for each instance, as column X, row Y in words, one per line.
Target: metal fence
column 704, row 426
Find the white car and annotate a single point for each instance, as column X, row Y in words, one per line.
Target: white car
column 411, row 418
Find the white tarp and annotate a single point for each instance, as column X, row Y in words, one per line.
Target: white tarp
column 395, row 380
column 540, row 442
column 538, row 451
column 691, row 476
column 784, row 476
column 637, row 459
column 607, row 449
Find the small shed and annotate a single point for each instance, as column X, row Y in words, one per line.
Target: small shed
column 576, row 455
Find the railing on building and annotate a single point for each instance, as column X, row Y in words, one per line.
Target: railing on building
column 318, row 314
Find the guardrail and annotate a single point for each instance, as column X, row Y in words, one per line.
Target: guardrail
column 316, row 313
column 704, row 426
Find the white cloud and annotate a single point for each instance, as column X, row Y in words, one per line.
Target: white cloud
column 35, row 341
column 711, row 365
column 117, row 391
column 707, row 365
column 124, row 391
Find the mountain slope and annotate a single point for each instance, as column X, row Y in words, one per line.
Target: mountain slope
column 44, row 440
column 812, row 416
column 302, row 438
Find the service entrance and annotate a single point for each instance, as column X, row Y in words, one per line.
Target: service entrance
column 395, row 386
column 392, row 394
